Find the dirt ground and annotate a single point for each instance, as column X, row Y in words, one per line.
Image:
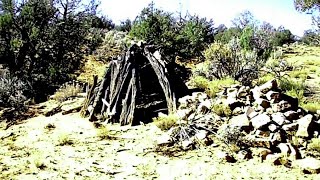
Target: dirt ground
column 71, row 147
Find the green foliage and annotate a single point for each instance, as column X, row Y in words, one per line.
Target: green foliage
column 154, row 25
column 230, row 60
column 211, row 87
column 310, row 37
column 227, row 35
column 165, row 122
column 282, row 36
column 311, row 106
column 194, row 35
column 222, row 110
column 246, row 38
column 292, row 87
column 12, row 92
column 186, row 38
column 43, row 43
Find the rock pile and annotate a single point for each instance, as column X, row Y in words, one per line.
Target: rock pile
column 262, row 118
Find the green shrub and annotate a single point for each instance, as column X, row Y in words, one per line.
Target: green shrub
column 222, row 110
column 230, row 60
column 199, row 82
column 165, row 122
column 12, row 92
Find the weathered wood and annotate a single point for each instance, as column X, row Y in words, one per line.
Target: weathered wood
column 90, row 94
column 135, row 88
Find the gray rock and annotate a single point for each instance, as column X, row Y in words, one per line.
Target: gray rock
column 304, row 124
column 273, row 127
column 164, row 139
column 250, row 112
column 201, row 135
column 288, row 150
column 240, row 120
column 308, row 165
column 290, row 127
column 272, row 95
column 187, row 144
column 225, row 156
column 204, row 106
column 244, row 155
column 260, row 121
column 256, row 93
column 238, row 111
column 263, row 103
column 260, row 152
column 270, row 85
column 278, row 118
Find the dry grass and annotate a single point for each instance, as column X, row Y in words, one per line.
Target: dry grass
column 64, row 140
column 165, row 122
column 92, row 67
column 66, row 92
column 314, row 145
column 103, row 133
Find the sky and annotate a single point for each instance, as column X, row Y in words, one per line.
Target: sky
column 276, row 12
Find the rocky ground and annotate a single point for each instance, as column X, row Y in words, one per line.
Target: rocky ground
column 70, row 147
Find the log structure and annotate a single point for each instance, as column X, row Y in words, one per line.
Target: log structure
column 135, row 88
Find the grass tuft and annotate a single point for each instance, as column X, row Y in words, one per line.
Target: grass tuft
column 165, row 122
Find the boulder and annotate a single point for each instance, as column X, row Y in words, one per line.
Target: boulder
column 290, row 127
column 278, row 118
column 244, row 155
column 255, row 93
column 204, row 106
column 243, row 91
column 201, row 135
column 288, row 150
column 273, row 127
column 304, row 126
column 260, row 121
column 241, row 121
column 270, row 85
column 260, row 152
column 225, row 157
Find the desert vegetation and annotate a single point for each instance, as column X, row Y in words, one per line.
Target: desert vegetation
column 247, row 94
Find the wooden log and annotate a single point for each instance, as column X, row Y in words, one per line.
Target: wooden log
column 90, row 94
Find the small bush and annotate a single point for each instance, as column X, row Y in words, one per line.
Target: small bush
column 314, row 145
column 230, row 60
column 65, row 139
column 103, row 133
column 222, row 110
column 264, row 79
column 67, row 91
column 165, row 122
column 12, row 92
column 199, row 82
